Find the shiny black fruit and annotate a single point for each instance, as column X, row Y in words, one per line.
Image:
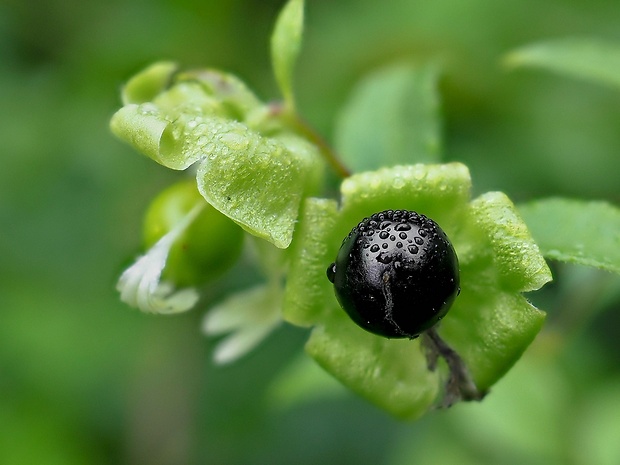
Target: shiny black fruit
column 396, row 274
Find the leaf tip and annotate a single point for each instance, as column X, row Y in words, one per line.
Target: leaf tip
column 285, row 46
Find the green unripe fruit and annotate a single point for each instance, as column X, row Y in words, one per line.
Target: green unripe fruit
column 206, row 249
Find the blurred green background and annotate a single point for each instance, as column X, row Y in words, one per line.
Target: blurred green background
column 86, row 380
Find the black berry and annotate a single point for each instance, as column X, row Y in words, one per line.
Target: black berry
column 396, row 274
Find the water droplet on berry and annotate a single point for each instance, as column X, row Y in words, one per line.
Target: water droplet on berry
column 331, row 272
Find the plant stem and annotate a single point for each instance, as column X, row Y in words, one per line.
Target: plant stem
column 326, row 150
column 460, row 385
column 306, row 130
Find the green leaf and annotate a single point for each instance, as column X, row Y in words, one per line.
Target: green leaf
column 170, row 129
column 573, row 231
column 586, row 58
column 391, row 118
column 142, row 126
column 236, row 99
column 144, row 86
column 256, row 181
column 390, row 373
column 285, row 46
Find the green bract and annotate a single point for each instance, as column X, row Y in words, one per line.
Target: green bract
column 251, row 166
column 490, row 324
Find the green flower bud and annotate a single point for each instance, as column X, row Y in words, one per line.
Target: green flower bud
column 207, row 248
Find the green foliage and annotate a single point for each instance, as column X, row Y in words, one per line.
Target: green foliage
column 258, row 164
column 253, row 170
column 574, row 231
column 84, row 380
column 259, row 182
column 391, row 118
column 587, row 58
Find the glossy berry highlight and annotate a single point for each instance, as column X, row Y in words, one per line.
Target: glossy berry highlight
column 396, row 274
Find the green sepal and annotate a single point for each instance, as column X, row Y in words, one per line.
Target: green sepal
column 307, row 295
column 438, row 191
column 490, row 324
column 392, row 374
column 489, row 329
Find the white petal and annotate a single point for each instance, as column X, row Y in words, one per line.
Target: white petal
column 241, row 342
column 140, row 284
column 249, row 315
